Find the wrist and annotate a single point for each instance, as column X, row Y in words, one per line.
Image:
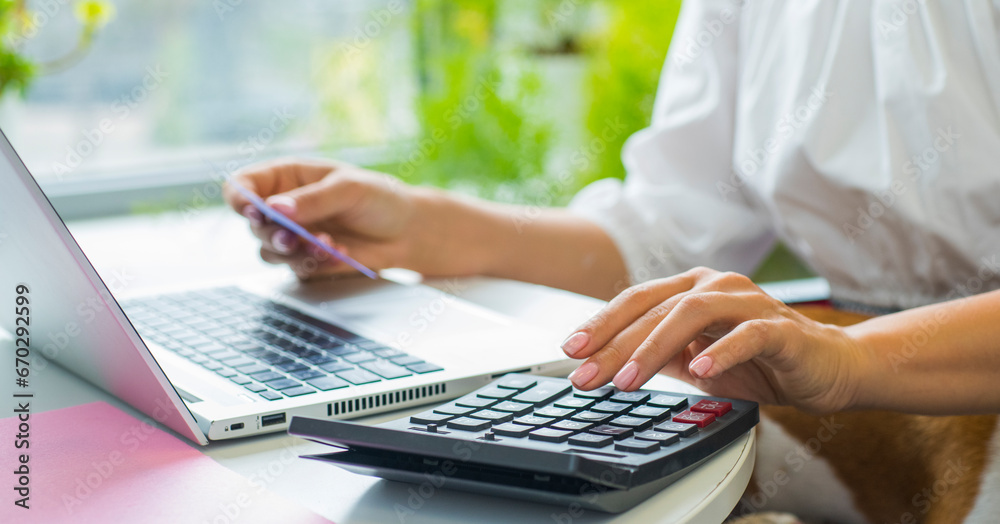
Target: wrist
column 861, row 369
column 448, row 235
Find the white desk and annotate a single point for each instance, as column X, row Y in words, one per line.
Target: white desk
column 145, row 250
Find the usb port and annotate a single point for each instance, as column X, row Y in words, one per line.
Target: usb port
column 270, row 420
column 236, row 426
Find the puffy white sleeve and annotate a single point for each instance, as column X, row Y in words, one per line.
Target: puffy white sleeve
column 680, row 205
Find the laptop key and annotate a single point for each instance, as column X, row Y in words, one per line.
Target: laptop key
column 359, row 376
column 361, row 356
column 266, row 376
column 297, row 391
column 336, row 366
column 306, row 374
column 406, row 360
column 289, row 367
column 425, row 367
column 211, row 365
column 283, row 383
column 517, row 408
column 252, row 368
column 226, row 372
column 240, row 379
column 328, row 383
column 386, row 369
column 237, row 361
column 270, row 395
column 255, row 387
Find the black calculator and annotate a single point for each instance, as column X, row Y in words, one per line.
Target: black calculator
column 539, row 438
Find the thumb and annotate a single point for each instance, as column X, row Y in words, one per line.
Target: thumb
column 320, row 200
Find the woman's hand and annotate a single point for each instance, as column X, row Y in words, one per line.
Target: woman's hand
column 724, row 335
column 366, row 215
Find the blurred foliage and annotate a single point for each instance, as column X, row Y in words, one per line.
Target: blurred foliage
column 512, row 98
column 19, row 23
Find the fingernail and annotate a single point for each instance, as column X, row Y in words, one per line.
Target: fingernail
column 583, row 374
column 283, row 204
column 700, row 367
column 575, row 342
column 283, row 241
column 254, row 215
column 627, row 375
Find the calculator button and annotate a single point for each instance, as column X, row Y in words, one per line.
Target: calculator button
column 549, row 435
column 693, row 417
column 534, row 421
column 662, row 437
column 611, row 407
column 429, row 417
column 495, row 416
column 475, row 402
column 591, row 416
column 596, row 394
column 518, row 382
column 571, row 425
column 574, row 403
column 553, row 412
column 684, row 430
column 618, row 433
column 633, row 445
column 630, row 397
column 714, row 407
column 590, row 440
column 469, row 424
column 495, row 392
column 667, row 401
column 543, row 393
column 650, row 412
column 452, row 409
column 636, row 423
column 510, row 429
column 517, row 408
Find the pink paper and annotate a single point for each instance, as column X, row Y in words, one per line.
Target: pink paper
column 96, row 464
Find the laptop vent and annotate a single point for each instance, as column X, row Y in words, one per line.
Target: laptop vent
column 384, row 399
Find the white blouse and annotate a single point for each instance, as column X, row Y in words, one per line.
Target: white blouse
column 865, row 134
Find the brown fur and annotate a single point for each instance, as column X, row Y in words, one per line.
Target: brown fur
column 890, row 462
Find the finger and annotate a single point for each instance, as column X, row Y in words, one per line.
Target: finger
column 624, row 309
column 321, row 200
column 277, row 176
column 686, row 322
column 278, row 239
column 748, row 340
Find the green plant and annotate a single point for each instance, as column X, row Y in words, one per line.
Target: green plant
column 19, row 24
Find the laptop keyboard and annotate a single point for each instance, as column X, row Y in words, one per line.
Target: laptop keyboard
column 269, row 349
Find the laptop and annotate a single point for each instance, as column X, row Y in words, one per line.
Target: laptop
column 242, row 358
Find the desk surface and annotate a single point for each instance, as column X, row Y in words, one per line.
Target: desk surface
column 149, row 258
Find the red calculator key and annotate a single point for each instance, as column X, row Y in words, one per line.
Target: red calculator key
column 693, row 417
column 713, row 406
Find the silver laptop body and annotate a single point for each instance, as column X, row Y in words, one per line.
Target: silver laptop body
column 78, row 323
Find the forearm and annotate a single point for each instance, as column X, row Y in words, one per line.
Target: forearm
column 943, row 358
column 539, row 245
